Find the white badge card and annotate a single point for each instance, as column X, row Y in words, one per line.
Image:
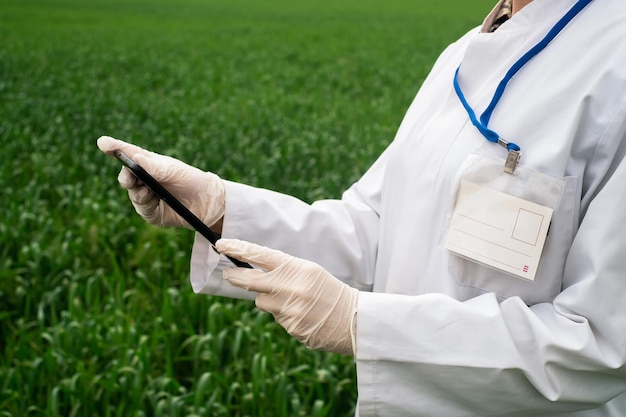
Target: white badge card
column 498, row 230
column 501, row 220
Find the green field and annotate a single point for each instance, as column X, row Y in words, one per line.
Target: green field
column 97, row 317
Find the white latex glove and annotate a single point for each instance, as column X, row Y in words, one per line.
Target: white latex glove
column 202, row 192
column 311, row 304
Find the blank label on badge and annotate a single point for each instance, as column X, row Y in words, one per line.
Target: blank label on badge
column 498, row 230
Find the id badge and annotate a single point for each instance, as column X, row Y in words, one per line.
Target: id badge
column 502, row 220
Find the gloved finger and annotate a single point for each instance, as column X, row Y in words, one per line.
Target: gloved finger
column 127, row 179
column 166, row 169
column 160, row 167
column 143, row 196
column 267, row 302
column 108, row 145
column 248, row 279
column 260, row 256
column 150, row 211
column 146, row 204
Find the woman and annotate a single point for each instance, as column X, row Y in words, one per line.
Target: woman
column 439, row 323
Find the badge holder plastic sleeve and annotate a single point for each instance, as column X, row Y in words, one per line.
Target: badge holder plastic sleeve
column 527, row 184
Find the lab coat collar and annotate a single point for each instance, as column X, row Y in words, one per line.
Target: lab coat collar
column 535, row 13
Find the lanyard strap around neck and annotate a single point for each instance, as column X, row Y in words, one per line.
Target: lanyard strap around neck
column 481, row 124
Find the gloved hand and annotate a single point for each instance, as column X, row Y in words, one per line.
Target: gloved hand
column 312, row 305
column 202, row 192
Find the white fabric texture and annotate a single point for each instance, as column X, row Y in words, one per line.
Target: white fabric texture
column 441, row 336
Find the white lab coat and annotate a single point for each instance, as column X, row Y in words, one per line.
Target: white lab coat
column 439, row 336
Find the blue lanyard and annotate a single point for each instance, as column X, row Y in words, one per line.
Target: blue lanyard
column 481, row 124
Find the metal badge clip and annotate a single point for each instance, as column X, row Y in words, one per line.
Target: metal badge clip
column 511, row 161
column 512, row 157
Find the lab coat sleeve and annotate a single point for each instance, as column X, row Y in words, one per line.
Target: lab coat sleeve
column 341, row 235
column 431, row 355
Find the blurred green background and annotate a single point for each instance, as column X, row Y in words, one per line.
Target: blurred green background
column 97, row 316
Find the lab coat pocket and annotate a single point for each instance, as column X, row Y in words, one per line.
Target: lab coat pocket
column 548, row 280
